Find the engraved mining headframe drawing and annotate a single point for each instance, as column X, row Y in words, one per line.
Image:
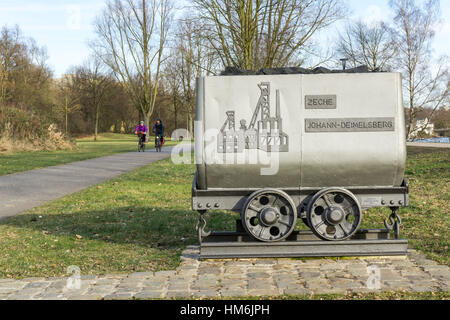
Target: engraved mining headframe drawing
column 265, row 134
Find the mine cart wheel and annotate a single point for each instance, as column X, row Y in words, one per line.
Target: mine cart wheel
column 269, row 215
column 334, row 214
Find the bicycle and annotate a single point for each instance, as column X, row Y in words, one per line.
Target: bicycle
column 141, row 142
column 158, row 143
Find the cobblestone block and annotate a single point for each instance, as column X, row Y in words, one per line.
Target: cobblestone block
column 140, row 275
column 310, row 275
column 233, row 292
column 204, row 293
column 233, row 270
column 40, row 285
column 265, row 262
column 316, row 284
column 149, row 294
column 119, row 296
column 346, row 284
column 199, row 285
column 258, row 275
column 153, row 285
column 297, row 290
column 177, row 294
column 396, row 285
column 107, row 282
column 209, row 270
column 20, row 296
column 258, row 284
column 84, row 297
column 264, row 292
column 13, row 285
column 332, row 267
column 178, row 286
column 164, row 274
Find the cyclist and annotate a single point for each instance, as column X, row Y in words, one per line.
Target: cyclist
column 141, row 130
column 158, row 129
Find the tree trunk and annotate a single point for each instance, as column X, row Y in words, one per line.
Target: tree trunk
column 175, row 111
column 66, row 111
column 96, row 121
column 190, row 125
column 147, row 121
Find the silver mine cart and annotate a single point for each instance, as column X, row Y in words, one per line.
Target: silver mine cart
column 318, row 145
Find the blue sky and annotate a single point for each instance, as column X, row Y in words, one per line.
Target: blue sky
column 65, row 26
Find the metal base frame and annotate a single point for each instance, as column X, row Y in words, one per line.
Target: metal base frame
column 234, row 199
column 286, row 249
column 301, row 243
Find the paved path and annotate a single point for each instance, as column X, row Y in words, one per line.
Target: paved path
column 243, row 277
column 428, row 144
column 25, row 190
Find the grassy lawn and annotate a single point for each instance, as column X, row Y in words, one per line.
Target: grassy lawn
column 87, row 148
column 426, row 221
column 142, row 220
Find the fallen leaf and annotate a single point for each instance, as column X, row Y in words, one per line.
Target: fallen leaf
column 78, row 236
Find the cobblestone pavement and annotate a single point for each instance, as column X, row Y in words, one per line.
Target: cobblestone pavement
column 244, row 277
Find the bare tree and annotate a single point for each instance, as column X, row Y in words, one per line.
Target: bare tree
column 91, row 85
column 132, row 35
column 372, row 45
column 193, row 62
column 24, row 77
column 97, row 85
column 173, row 83
column 11, row 52
column 264, row 33
column 414, row 27
column 190, row 58
column 69, row 99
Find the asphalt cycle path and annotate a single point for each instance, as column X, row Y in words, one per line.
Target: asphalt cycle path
column 26, row 190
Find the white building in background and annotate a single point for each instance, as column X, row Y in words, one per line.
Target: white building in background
column 424, row 126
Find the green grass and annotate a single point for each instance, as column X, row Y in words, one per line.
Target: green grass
column 426, row 221
column 142, row 221
column 87, row 148
column 135, row 222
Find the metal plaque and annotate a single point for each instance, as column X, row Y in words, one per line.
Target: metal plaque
column 370, row 201
column 320, row 102
column 349, row 124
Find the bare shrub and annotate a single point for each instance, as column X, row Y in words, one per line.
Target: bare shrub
column 21, row 131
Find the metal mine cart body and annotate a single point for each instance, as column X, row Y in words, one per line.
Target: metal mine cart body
column 320, row 147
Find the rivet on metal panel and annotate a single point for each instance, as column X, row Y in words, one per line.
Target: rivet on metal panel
column 216, row 205
column 391, row 202
column 208, row 205
column 383, row 202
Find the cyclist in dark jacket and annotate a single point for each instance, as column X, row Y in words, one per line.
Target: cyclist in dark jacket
column 158, row 129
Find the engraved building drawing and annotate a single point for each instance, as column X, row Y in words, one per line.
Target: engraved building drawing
column 264, row 134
